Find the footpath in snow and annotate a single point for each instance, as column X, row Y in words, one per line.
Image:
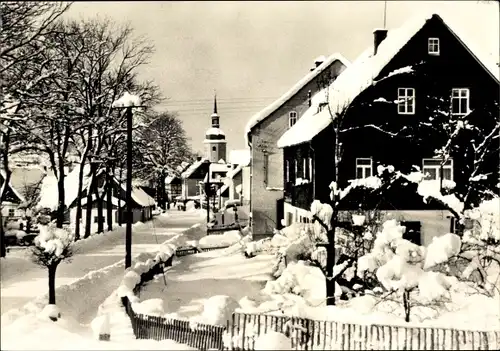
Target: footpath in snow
column 195, row 278
column 21, row 280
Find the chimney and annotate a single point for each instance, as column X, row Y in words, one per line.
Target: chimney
column 319, row 60
column 378, row 36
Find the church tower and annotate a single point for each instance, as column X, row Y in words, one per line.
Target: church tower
column 215, row 139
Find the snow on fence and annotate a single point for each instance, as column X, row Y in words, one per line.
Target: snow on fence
column 307, row 334
column 200, row 336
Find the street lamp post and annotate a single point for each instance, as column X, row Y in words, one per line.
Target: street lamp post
column 128, row 191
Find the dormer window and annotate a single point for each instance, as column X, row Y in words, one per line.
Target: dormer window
column 433, row 46
column 292, row 118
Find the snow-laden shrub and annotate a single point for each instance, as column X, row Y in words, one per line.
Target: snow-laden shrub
column 217, row 310
column 224, row 240
column 273, row 341
column 150, row 307
column 101, row 325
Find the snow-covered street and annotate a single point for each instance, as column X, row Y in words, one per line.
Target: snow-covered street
column 21, row 280
column 194, row 279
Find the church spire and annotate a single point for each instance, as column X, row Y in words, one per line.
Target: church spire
column 215, row 116
column 215, row 102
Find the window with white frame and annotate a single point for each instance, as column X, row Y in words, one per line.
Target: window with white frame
column 305, row 166
column 431, row 167
column 406, row 101
column 287, row 171
column 364, row 167
column 310, row 168
column 433, row 46
column 460, row 101
column 292, row 118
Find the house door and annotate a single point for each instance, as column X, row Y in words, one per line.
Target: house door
column 280, row 212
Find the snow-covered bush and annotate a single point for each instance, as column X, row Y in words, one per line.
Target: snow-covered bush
column 52, row 246
column 224, row 240
column 403, row 267
column 273, row 341
column 217, row 310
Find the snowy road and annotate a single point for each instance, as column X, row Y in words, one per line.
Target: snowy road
column 21, row 280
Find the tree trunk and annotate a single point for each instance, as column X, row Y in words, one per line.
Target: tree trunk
column 109, row 195
column 88, row 207
column 78, row 216
column 100, row 210
column 406, row 304
column 61, row 205
column 52, row 284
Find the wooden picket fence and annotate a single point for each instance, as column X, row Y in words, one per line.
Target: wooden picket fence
column 200, row 336
column 307, row 334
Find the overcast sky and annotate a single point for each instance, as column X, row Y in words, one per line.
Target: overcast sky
column 253, row 52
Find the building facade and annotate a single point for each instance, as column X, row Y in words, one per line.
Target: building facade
column 422, row 77
column 263, row 131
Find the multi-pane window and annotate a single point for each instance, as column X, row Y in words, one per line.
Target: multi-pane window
column 433, row 46
column 364, row 168
column 292, row 118
column 432, row 169
column 12, row 212
column 460, row 101
column 406, row 101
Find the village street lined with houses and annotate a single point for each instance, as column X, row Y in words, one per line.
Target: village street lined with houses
column 353, row 205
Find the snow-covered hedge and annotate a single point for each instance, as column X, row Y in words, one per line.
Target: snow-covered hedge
column 132, row 276
column 229, row 238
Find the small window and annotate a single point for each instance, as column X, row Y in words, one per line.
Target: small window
column 364, row 168
column 287, row 171
column 406, row 101
column 214, row 148
column 292, row 118
column 432, row 169
column 433, row 46
column 12, row 212
column 460, row 101
column 310, row 168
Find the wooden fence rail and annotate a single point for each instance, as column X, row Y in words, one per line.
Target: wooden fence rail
column 307, row 334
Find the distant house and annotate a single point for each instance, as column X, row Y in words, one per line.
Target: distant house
column 142, row 204
column 192, row 179
column 237, row 181
column 263, row 131
column 12, row 199
column 410, row 74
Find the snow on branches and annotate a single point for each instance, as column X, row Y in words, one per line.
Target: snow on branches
column 52, row 245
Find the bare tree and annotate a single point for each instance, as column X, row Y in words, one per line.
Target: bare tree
column 163, row 146
column 24, row 27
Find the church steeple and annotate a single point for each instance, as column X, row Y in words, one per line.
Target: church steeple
column 215, row 116
column 215, row 139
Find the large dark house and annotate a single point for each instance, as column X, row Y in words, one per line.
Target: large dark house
column 393, row 106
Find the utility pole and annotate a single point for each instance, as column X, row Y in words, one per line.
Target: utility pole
column 128, row 193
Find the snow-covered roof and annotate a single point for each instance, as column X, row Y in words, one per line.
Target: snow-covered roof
column 14, row 190
column 214, row 131
column 114, row 201
column 240, row 157
column 219, row 167
column 233, row 172
column 263, row 114
column 140, row 196
column 359, row 76
column 192, row 168
column 48, row 191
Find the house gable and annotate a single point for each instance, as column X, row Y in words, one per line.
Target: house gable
column 11, row 194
